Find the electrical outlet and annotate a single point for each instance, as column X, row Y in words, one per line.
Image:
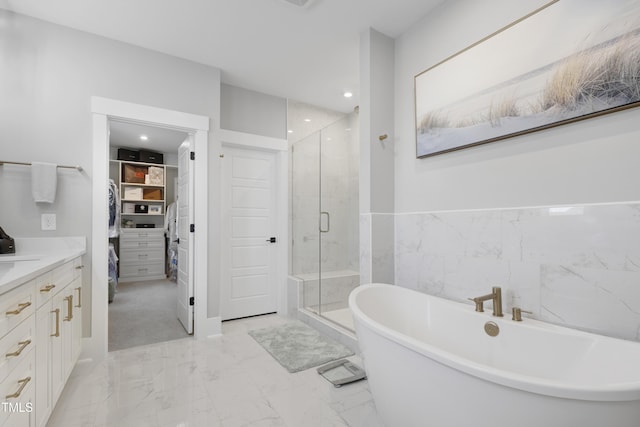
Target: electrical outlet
column 48, row 221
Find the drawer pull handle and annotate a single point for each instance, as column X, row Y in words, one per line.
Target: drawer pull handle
column 23, row 383
column 18, row 310
column 79, row 267
column 69, row 300
column 79, row 289
column 23, row 345
column 47, row 288
column 57, row 312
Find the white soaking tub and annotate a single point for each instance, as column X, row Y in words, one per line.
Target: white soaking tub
column 430, row 363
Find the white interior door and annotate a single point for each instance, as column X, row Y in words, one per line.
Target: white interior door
column 249, row 243
column 185, row 242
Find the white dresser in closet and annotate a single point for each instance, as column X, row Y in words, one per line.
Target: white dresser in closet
column 141, row 254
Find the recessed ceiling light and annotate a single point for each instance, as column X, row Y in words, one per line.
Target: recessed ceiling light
column 307, row 120
column 289, row 131
column 348, row 94
column 144, row 137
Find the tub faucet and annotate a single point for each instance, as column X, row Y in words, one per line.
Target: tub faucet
column 496, row 296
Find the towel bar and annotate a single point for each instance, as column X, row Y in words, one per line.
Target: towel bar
column 2, row 162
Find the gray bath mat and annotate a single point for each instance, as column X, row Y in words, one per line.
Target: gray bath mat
column 297, row 346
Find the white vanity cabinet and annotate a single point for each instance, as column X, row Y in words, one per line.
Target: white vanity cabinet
column 59, row 333
column 41, row 333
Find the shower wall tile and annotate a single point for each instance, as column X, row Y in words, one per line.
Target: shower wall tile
column 333, row 293
column 577, row 266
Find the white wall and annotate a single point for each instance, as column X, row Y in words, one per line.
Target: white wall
column 377, row 174
column 49, row 74
column 249, row 111
column 587, row 161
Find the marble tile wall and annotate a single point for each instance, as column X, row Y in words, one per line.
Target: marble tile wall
column 577, row 266
column 334, row 292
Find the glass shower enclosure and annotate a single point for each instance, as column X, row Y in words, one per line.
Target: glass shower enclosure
column 325, row 218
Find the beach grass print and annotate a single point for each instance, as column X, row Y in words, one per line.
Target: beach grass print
column 594, row 71
column 609, row 74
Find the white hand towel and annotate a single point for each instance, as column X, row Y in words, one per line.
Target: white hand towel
column 44, row 181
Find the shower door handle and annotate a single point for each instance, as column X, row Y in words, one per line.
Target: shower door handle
column 328, row 222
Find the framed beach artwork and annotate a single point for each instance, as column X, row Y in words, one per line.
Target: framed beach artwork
column 569, row 60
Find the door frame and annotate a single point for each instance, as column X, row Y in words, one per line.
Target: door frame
column 280, row 147
column 103, row 110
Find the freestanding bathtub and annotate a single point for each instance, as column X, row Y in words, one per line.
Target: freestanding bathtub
column 430, row 363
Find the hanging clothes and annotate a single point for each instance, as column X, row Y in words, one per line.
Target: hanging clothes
column 113, row 272
column 114, row 209
column 171, row 231
column 170, row 224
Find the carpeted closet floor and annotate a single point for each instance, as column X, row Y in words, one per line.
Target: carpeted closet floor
column 144, row 313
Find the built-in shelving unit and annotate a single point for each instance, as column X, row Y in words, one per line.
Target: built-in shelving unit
column 143, row 203
column 142, row 189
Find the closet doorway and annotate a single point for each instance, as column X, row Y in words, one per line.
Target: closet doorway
column 151, row 208
column 105, row 110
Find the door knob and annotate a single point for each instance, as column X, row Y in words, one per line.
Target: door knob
column 271, row 240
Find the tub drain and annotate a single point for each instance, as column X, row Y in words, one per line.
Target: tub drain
column 491, row 328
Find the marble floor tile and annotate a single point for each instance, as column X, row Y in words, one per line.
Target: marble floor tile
column 224, row 381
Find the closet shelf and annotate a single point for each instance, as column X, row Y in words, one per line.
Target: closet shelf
column 135, row 184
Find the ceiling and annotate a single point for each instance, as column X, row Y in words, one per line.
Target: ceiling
column 309, row 54
column 127, row 135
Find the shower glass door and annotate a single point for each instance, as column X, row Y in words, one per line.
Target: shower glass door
column 338, row 220
column 325, row 225
column 305, row 202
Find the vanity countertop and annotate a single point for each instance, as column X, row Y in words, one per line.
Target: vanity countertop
column 36, row 255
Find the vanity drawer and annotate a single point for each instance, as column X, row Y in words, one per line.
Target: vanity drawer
column 44, row 289
column 18, row 391
column 15, row 346
column 132, row 271
column 77, row 267
column 15, row 306
column 63, row 275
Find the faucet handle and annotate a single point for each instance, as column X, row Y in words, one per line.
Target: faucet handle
column 517, row 313
column 479, row 304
